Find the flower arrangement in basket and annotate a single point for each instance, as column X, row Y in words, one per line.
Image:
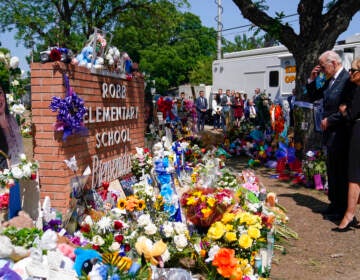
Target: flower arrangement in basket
column 204, row 206
column 24, row 170
column 314, row 165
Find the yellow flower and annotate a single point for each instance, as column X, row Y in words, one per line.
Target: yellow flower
column 198, row 194
column 253, row 232
column 229, row 227
column 246, row 267
column 228, row 217
column 194, row 177
column 245, row 241
column 216, row 231
column 191, row 200
column 121, row 203
column 230, row 236
column 140, row 205
column 211, row 201
column 206, row 212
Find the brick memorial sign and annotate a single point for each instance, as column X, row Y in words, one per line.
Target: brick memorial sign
column 115, row 123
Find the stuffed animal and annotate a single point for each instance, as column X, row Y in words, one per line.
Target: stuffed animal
column 23, row 220
column 151, row 252
column 7, row 273
column 10, row 251
column 85, row 259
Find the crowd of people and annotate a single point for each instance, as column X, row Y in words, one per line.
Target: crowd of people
column 230, row 108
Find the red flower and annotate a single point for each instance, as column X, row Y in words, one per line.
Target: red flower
column 33, row 176
column 119, row 238
column 85, row 228
column 55, row 55
column 127, row 247
column 96, row 247
column 146, row 151
column 118, row 225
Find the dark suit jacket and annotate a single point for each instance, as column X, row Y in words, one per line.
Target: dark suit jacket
column 332, row 98
column 199, row 105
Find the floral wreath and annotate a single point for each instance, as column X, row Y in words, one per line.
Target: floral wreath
column 71, row 111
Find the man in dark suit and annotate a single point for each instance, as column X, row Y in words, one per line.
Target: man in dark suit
column 335, row 132
column 201, row 107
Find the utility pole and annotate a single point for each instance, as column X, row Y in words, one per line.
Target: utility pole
column 219, row 27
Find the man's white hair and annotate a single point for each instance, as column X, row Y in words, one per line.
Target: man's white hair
column 330, row 56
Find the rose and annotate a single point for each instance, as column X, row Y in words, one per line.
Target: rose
column 118, row 225
column 144, row 220
column 150, row 229
column 245, row 241
column 230, row 236
column 216, row 231
column 253, row 232
column 98, row 240
column 17, row 172
column 180, row 241
column 119, row 238
column 115, row 246
column 225, row 262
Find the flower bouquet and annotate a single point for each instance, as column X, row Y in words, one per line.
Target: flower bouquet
column 314, row 165
column 141, row 162
column 204, row 206
column 24, row 170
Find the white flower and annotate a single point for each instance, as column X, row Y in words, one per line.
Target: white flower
column 10, row 98
column 180, row 241
column 14, row 62
column 310, row 154
column 105, row 224
column 150, row 229
column 88, row 220
column 15, row 83
column 144, row 220
column 17, row 172
column 168, row 229
column 180, row 228
column 27, row 170
column 98, row 240
column 22, row 157
column 227, row 200
column 18, row 109
column 115, row 246
column 212, row 252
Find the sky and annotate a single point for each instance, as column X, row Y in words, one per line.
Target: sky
column 207, row 10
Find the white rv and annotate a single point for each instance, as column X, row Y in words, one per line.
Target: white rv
column 271, row 69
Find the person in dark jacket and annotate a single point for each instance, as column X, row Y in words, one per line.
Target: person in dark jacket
column 335, row 132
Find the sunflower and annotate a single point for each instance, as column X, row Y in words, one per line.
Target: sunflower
column 121, row 204
column 140, row 205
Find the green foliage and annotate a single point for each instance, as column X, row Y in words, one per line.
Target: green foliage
column 22, row 237
column 202, row 71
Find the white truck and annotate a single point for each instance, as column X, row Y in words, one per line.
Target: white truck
column 270, row 69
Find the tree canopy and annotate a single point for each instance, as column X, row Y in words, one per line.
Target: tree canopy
column 165, row 41
column 320, row 26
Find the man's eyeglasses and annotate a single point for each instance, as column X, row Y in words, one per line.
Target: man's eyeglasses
column 353, row 70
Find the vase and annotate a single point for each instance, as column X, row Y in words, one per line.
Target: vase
column 318, row 182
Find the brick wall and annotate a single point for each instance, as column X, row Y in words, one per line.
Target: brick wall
column 49, row 149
